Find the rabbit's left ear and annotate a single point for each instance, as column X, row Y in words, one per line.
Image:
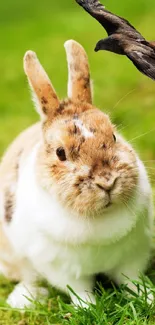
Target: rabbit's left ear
column 45, row 98
column 79, row 84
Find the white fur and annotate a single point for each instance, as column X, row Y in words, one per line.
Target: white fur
column 37, row 103
column 85, row 132
column 66, row 249
column 70, row 60
column 21, row 296
column 24, row 294
column 70, row 87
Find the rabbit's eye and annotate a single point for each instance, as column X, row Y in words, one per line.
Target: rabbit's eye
column 114, row 137
column 61, row 154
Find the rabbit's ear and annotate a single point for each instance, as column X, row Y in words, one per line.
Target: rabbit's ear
column 44, row 95
column 79, row 85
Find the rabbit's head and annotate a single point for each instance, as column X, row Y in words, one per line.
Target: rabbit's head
column 82, row 159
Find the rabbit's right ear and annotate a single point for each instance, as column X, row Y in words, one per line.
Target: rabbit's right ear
column 44, row 95
column 79, row 84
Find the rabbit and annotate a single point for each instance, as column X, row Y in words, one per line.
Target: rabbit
column 75, row 199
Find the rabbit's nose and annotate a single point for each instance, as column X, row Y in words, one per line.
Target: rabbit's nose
column 106, row 185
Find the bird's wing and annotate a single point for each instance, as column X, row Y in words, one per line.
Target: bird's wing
column 145, row 63
column 112, row 23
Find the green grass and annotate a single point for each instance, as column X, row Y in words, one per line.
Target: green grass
column 119, row 89
column 113, row 307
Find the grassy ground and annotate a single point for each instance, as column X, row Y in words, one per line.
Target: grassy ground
column 119, row 89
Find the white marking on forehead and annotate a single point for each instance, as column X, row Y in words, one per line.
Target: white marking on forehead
column 85, row 132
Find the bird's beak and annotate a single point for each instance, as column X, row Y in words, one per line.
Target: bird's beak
column 99, row 46
column 96, row 49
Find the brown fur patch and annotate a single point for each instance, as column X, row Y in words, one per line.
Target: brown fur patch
column 8, row 205
column 73, row 130
column 45, row 110
column 9, row 196
column 63, row 106
column 67, row 108
column 44, row 100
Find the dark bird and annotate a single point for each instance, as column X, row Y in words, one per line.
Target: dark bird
column 122, row 38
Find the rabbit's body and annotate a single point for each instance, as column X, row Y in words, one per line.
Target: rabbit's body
column 59, row 223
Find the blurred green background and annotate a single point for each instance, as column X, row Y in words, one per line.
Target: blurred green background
column 44, row 26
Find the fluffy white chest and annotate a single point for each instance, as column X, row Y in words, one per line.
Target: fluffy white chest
column 76, row 261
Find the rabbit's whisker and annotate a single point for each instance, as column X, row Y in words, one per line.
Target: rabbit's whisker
column 122, row 98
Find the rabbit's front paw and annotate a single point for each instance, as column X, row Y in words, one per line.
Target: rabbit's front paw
column 23, row 295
